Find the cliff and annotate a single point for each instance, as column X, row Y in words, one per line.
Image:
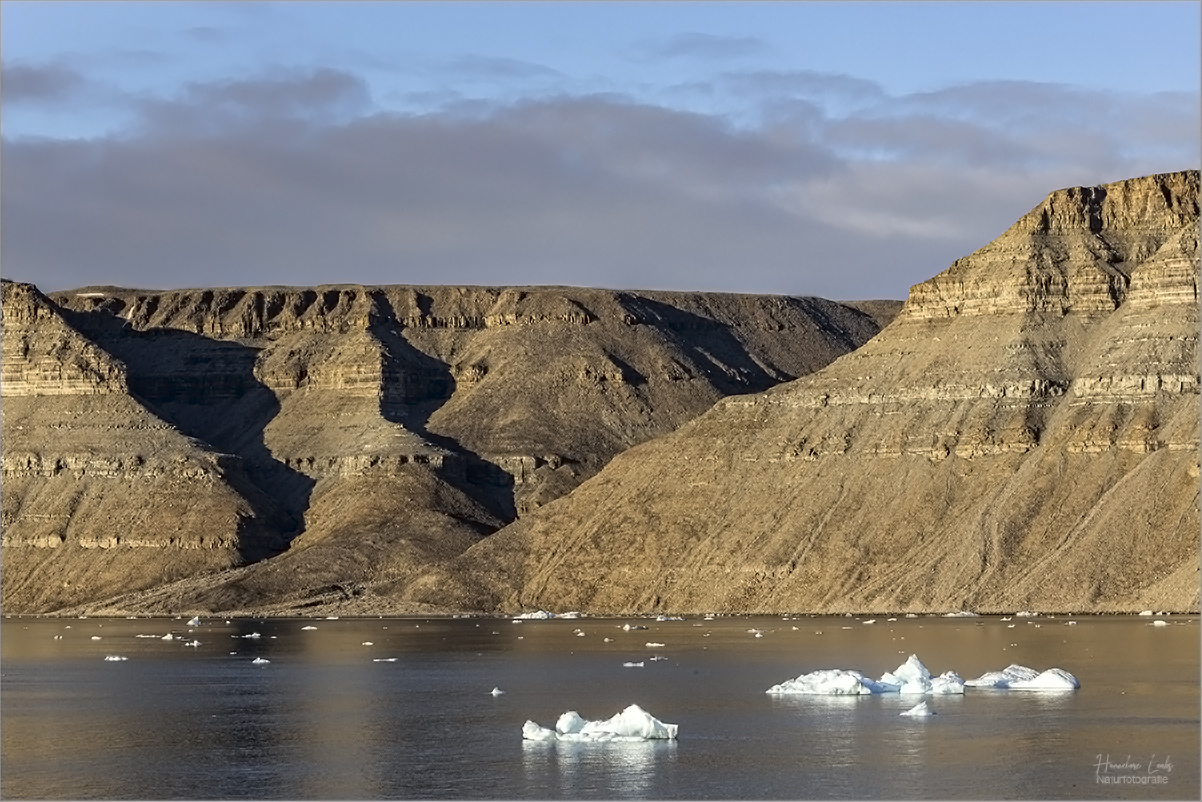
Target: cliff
column 1024, row 435
column 289, row 449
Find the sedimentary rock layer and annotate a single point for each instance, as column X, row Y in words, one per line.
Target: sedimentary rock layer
column 1024, row 435
column 373, row 432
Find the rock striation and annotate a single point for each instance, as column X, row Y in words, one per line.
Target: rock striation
column 283, row 449
column 1024, row 435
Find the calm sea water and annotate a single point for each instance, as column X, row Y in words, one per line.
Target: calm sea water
column 323, row 719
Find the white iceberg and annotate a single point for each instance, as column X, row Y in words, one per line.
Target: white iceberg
column 536, row 615
column 307, row 628
column 260, row 661
column 632, row 724
column 1016, row 677
column 497, row 691
column 920, row 710
column 910, row 677
column 194, row 621
column 113, row 658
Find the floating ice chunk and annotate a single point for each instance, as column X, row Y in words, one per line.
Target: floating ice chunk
column 260, row 661
column 194, row 621
column 669, row 618
column 833, row 681
column 536, row 615
column 193, row 643
column 910, row 677
column 1018, row 677
column 367, row 643
column 920, row 710
column 308, row 627
column 869, row 621
column 1025, row 614
column 961, row 614
column 383, row 659
column 1159, row 622
column 112, row 658
column 250, row 635
column 496, row 691
column 632, row 724
column 95, row 637
column 1147, row 612
column 628, row 627
column 656, row 658
column 633, row 665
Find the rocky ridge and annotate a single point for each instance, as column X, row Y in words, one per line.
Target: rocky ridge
column 1024, row 435
column 361, row 435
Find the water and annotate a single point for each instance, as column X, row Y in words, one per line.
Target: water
column 323, row 720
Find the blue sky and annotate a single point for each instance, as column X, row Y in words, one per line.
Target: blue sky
column 841, row 149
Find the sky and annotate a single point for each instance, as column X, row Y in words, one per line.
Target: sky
column 846, row 150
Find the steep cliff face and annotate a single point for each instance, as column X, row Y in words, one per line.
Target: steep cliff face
column 374, row 431
column 101, row 496
column 1025, row 434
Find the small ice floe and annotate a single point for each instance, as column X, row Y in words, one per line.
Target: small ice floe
column 890, row 619
column 1159, row 622
column 310, row 627
column 911, row 615
column 260, row 661
column 961, row 614
column 331, row 618
column 252, row 635
column 1147, row 612
column 669, row 618
column 628, row 627
column 193, row 643
column 113, row 658
column 910, row 677
column 1025, row 614
column 146, row 636
column 632, row 724
column 869, row 621
column 367, row 643
column 496, row 691
column 632, row 665
column 535, row 615
column 920, row 710
column 609, row 640
column 569, row 614
column 58, row 637
column 653, row 644
column 95, row 637
column 194, row 621
column 383, row 659
column 1016, row 677
column 655, row 658
column 708, row 617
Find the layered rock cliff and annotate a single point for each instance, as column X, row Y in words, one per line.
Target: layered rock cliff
column 1024, row 435
column 369, row 434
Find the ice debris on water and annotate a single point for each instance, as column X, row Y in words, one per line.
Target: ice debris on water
column 193, row 643
column 920, row 710
column 910, row 677
column 112, row 658
column 1160, row 622
column 913, row 677
column 632, row 665
column 496, row 691
column 307, row 628
column 260, row 661
column 1016, row 677
column 632, row 724
column 194, row 621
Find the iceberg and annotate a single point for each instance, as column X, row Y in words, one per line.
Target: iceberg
column 194, row 621
column 260, row 661
column 113, row 658
column 1016, row 677
column 920, row 710
column 910, row 677
column 632, row 724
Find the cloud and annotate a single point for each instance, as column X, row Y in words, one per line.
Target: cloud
column 701, row 46
column 298, row 178
column 40, row 83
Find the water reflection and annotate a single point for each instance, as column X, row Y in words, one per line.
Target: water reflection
column 610, row 769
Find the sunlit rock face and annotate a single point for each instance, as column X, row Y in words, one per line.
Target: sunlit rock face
column 295, row 449
column 1024, row 435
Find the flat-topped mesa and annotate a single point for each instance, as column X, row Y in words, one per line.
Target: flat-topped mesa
column 40, row 354
column 1075, row 252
